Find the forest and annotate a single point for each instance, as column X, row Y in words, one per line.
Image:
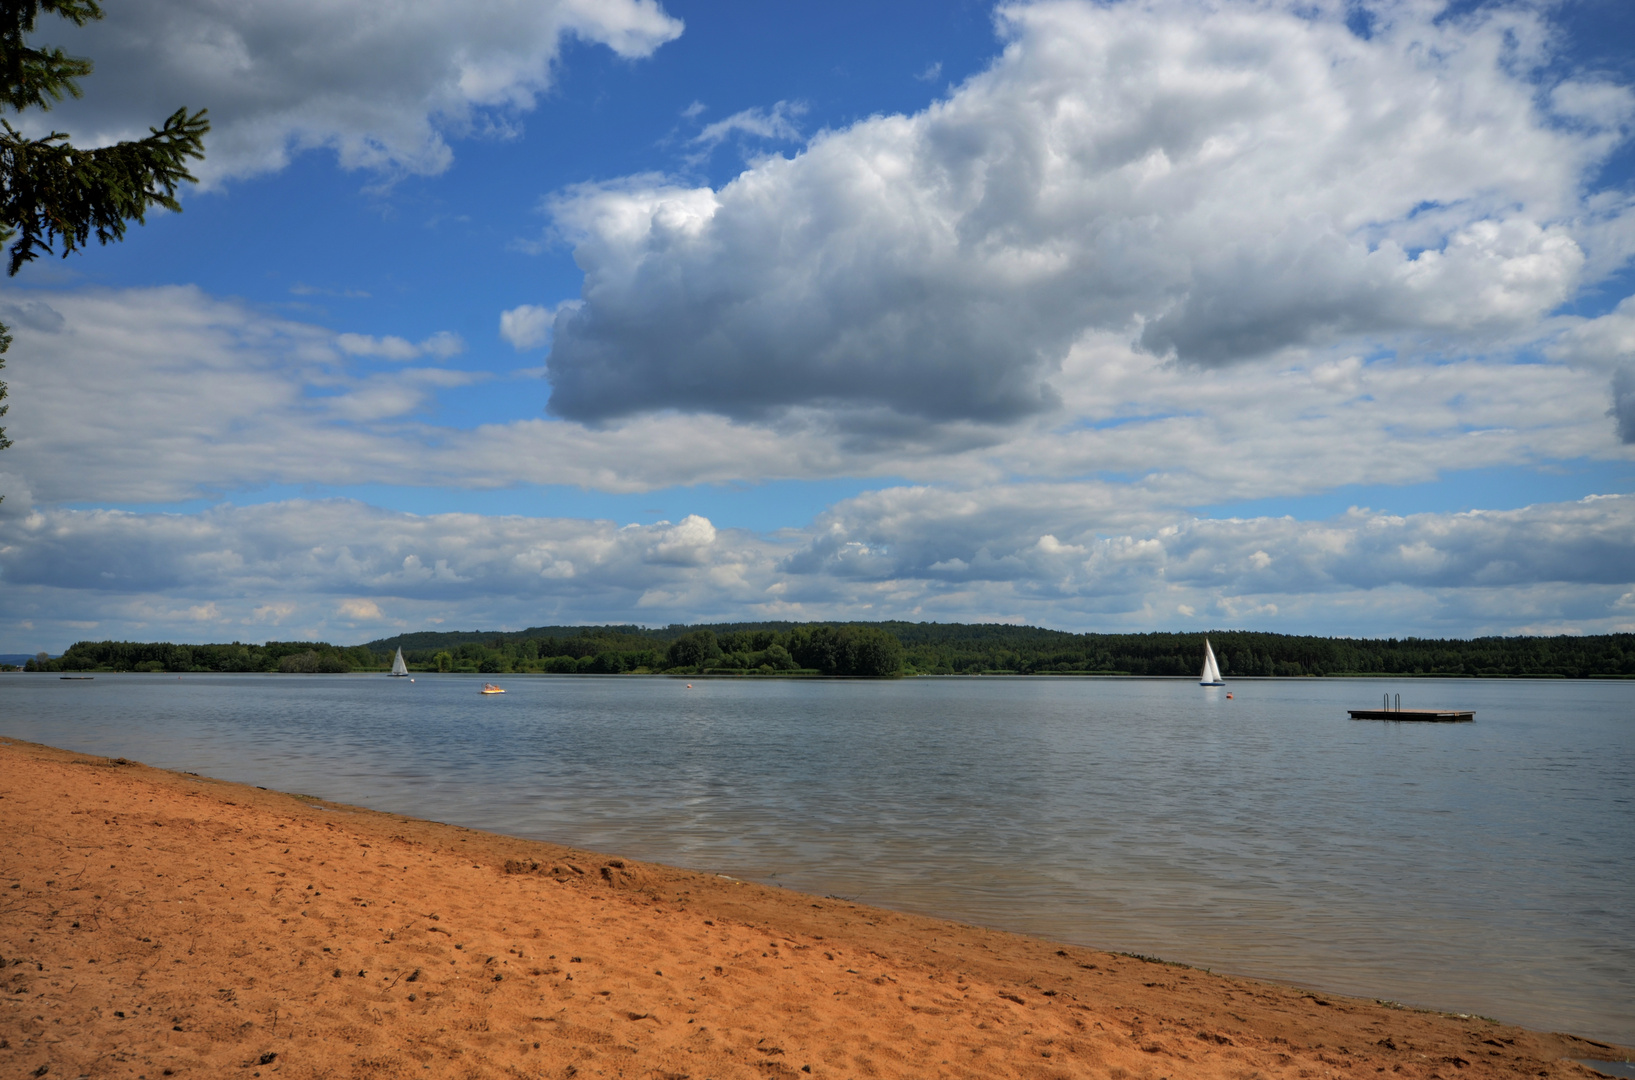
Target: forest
column 880, row 649
column 304, row 657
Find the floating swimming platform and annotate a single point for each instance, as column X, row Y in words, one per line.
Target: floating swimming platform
column 1439, row 716
column 1393, row 710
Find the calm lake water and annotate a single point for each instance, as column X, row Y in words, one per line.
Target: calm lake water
column 1485, row 868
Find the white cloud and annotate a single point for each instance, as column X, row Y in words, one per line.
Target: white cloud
column 33, row 314
column 928, row 544
column 1218, row 182
column 360, row 610
column 215, row 395
column 16, row 494
column 380, row 397
column 777, row 123
column 384, row 88
column 329, row 568
column 387, row 348
column 302, row 289
column 527, row 326
column 688, row 543
column 935, row 551
column 443, row 344
column 312, row 563
column 271, row 614
column 1606, row 342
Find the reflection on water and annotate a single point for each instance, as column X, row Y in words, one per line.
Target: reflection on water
column 1485, row 867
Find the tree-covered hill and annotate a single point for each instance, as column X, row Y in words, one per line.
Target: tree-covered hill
column 934, row 647
column 963, row 648
column 883, row 648
column 853, row 649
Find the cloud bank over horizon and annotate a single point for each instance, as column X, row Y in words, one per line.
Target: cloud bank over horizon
column 342, row 569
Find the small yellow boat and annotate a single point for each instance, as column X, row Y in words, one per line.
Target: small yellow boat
column 490, row 688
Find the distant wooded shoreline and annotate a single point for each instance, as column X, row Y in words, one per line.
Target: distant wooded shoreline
column 880, row 649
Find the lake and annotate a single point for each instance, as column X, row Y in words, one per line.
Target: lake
column 1485, row 868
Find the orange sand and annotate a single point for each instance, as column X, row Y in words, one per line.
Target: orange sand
column 160, row 924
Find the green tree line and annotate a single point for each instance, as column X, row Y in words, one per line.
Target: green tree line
column 302, row 657
column 848, row 650
column 956, row 648
column 1033, row 651
column 882, row 649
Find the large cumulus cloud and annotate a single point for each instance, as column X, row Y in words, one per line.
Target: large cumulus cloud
column 1217, row 182
column 381, row 84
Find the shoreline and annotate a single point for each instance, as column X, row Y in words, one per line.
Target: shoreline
column 819, row 676
column 159, row 923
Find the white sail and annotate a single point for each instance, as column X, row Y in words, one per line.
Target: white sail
column 398, row 666
column 1211, row 674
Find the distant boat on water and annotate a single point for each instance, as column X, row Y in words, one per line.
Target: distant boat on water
column 1211, row 674
column 399, row 668
column 490, row 688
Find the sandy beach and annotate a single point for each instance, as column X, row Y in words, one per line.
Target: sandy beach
column 156, row 924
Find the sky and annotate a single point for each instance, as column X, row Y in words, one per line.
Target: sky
column 1312, row 317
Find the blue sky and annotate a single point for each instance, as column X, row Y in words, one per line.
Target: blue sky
column 1158, row 314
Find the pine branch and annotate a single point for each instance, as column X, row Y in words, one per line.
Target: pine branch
column 37, row 78
column 49, row 189
column 17, row 17
column 5, row 343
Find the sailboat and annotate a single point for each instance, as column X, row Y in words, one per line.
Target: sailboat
column 1211, row 674
column 398, row 666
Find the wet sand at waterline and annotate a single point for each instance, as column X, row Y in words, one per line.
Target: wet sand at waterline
column 161, row 924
